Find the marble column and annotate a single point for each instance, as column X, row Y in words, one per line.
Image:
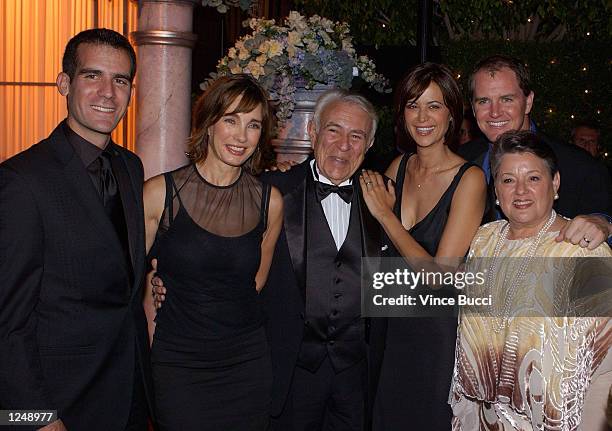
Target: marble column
column 163, row 82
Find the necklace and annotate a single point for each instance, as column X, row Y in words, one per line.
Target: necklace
column 518, row 279
column 427, row 177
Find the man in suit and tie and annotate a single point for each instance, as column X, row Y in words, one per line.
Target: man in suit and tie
column 72, row 329
column 501, row 96
column 312, row 298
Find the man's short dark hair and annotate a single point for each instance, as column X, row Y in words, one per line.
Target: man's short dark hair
column 96, row 36
column 587, row 124
column 495, row 63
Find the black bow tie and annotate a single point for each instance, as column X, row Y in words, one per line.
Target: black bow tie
column 323, row 190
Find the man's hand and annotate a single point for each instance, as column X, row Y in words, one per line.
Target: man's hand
column 157, row 286
column 57, row 425
column 283, row 166
column 586, row 230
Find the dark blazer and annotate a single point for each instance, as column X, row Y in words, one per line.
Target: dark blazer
column 585, row 182
column 284, row 293
column 72, row 327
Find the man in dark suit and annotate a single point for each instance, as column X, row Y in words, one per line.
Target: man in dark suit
column 501, row 96
column 312, row 298
column 72, row 329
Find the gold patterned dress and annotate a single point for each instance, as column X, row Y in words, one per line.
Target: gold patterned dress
column 531, row 373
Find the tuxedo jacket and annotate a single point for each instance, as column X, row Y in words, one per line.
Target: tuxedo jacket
column 284, row 293
column 72, row 327
column 585, row 182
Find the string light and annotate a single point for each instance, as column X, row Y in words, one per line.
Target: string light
column 458, row 75
column 572, row 116
column 584, row 69
column 550, row 110
column 588, row 33
column 586, row 91
column 553, row 61
column 528, row 19
column 598, row 112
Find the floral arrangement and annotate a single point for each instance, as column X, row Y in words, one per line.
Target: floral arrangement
column 222, row 6
column 301, row 53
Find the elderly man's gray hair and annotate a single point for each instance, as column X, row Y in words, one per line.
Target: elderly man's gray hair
column 337, row 95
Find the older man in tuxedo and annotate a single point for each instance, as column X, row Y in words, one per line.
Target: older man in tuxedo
column 312, row 297
column 72, row 329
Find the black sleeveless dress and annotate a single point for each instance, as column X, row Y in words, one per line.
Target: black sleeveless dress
column 210, row 358
column 417, row 366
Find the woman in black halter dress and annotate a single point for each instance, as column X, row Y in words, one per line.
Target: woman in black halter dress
column 433, row 211
column 213, row 226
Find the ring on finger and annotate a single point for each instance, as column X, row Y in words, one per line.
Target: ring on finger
column 586, row 240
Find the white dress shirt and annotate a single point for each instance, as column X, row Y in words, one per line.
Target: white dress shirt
column 337, row 212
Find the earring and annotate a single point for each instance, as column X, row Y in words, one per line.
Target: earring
column 497, row 202
column 556, row 196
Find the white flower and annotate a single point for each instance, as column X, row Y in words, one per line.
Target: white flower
column 275, row 48
column 294, row 38
column 243, row 54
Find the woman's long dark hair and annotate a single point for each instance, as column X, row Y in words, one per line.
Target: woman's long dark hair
column 412, row 86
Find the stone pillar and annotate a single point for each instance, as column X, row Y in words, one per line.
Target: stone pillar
column 163, row 82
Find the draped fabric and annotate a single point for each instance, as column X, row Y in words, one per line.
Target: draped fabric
column 227, row 211
column 32, row 41
column 533, row 373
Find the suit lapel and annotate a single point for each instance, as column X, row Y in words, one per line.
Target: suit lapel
column 295, row 230
column 78, row 184
column 132, row 215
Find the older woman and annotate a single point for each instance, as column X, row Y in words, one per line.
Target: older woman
column 528, row 373
column 213, row 227
column 439, row 206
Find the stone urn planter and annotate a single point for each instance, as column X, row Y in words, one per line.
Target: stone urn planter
column 292, row 141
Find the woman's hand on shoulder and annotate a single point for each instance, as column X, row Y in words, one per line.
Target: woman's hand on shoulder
column 378, row 196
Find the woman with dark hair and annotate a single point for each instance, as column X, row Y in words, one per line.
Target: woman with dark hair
column 440, row 203
column 545, row 371
column 213, row 227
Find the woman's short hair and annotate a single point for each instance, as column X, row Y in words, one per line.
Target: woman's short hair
column 413, row 85
column 215, row 102
column 521, row 142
